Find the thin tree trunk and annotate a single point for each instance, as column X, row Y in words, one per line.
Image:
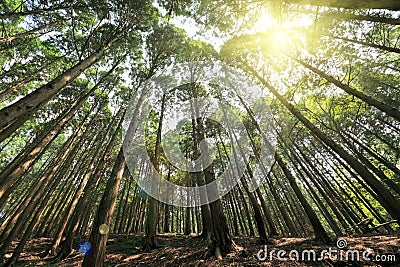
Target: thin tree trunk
column 166, row 206
column 391, row 111
column 107, row 204
column 57, row 238
column 350, row 4
column 381, row 47
column 124, row 214
column 84, row 199
column 32, row 102
column 384, row 196
column 371, row 18
column 20, row 35
column 13, row 15
column 273, row 231
column 319, row 231
column 149, row 242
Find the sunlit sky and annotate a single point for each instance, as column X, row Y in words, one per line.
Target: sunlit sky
column 265, row 22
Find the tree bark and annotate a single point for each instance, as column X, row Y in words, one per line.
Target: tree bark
column 23, row 34
column 391, row 111
column 384, row 196
column 319, row 231
column 107, row 204
column 12, row 15
column 32, row 102
column 371, row 18
column 350, row 4
column 381, row 47
column 85, row 198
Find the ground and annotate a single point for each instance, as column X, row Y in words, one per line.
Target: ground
column 180, row 250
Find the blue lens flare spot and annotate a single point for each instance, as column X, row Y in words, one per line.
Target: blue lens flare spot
column 85, row 247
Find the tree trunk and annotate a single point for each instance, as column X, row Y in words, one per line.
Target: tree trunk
column 205, row 209
column 319, row 231
column 350, row 4
column 381, row 47
column 384, row 196
column 32, row 102
column 107, row 204
column 273, row 231
column 166, row 206
column 20, row 35
column 149, row 242
column 104, row 214
column 391, row 111
column 371, row 18
column 13, row 15
column 57, row 238
column 85, row 198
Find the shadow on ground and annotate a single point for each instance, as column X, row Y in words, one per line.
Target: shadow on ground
column 181, row 250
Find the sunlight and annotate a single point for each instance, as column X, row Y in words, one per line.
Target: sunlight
column 281, row 37
column 264, row 22
column 280, row 33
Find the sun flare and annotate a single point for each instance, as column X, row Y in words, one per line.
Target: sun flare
column 281, row 32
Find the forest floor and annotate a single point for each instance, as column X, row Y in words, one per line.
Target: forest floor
column 180, row 250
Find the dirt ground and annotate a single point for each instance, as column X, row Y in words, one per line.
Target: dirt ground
column 180, row 250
